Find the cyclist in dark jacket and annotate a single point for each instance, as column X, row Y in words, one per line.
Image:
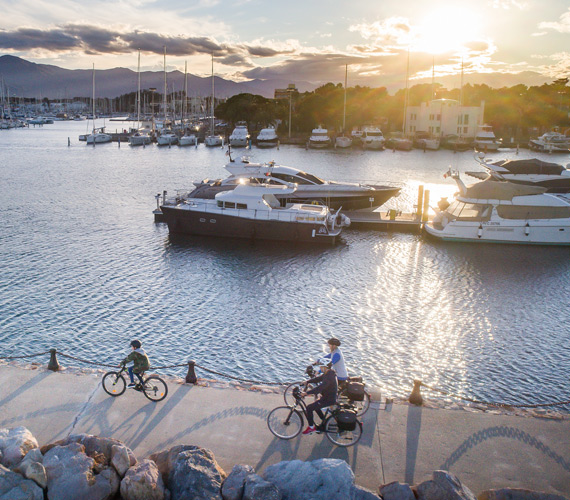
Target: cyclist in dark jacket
column 327, row 388
column 140, row 362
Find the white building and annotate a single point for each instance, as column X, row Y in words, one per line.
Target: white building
column 442, row 117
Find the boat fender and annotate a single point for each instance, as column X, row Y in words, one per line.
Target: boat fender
column 527, row 229
column 480, row 231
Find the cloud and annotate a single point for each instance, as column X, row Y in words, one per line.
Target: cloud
column 507, row 4
column 562, row 26
column 92, row 39
column 394, row 31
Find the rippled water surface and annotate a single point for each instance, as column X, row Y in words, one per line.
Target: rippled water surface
column 85, row 269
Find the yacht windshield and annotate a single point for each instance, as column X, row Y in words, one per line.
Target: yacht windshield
column 466, row 211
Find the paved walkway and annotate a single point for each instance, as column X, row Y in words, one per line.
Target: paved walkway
column 400, row 443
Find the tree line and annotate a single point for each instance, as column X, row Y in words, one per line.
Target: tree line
column 517, row 111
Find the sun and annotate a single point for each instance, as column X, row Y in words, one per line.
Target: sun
column 448, row 29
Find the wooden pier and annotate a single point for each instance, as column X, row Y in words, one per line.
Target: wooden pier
column 390, row 220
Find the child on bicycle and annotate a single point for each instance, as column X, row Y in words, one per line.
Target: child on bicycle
column 328, row 389
column 140, row 362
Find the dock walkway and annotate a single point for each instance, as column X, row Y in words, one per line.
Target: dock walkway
column 400, row 442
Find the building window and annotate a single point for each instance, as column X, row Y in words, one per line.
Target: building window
column 438, row 118
column 466, row 120
column 465, row 130
column 437, row 130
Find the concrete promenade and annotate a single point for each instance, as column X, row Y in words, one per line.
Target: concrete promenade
column 400, row 442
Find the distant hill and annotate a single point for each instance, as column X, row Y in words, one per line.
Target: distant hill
column 28, row 79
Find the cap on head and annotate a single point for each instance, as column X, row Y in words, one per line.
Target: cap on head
column 333, row 341
column 136, row 344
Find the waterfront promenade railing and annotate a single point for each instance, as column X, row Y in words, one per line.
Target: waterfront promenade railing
column 191, row 378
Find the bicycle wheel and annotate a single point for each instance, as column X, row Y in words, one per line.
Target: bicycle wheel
column 288, row 394
column 339, row 437
column 155, row 388
column 114, row 384
column 285, row 422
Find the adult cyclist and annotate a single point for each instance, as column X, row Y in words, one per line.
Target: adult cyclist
column 336, row 359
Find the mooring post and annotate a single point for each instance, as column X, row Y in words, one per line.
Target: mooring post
column 420, row 202
column 53, row 365
column 416, row 397
column 426, row 206
column 191, row 375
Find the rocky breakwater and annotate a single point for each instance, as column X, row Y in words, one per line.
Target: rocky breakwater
column 86, row 467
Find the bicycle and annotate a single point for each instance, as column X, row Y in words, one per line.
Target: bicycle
column 153, row 387
column 361, row 406
column 286, row 422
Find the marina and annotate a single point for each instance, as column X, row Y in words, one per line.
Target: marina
column 85, row 266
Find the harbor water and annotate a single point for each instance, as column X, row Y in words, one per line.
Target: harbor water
column 85, row 269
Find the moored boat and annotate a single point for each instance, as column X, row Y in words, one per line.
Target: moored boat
column 252, row 211
column 372, row 138
column 502, row 212
column 319, row 138
column 240, row 135
column 485, row 139
column 310, row 188
column 551, row 142
column 267, row 138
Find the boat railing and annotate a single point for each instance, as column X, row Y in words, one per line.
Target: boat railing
column 275, row 214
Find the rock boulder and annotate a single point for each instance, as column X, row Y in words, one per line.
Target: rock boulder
column 14, row 444
column 232, row 489
column 14, row 487
column 143, row 482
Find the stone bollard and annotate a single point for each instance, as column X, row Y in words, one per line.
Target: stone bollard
column 53, row 365
column 416, row 397
column 191, row 375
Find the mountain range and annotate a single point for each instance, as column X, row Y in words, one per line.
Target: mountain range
column 28, row 79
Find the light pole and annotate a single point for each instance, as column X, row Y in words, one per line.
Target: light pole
column 290, row 98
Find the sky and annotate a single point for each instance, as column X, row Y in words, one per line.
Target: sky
column 309, row 40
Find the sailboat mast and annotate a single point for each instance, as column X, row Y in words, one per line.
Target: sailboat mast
column 212, row 104
column 184, row 106
column 139, row 92
column 344, row 107
column 165, row 90
column 406, row 96
column 93, row 98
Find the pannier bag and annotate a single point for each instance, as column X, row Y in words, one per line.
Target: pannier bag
column 355, row 391
column 346, row 420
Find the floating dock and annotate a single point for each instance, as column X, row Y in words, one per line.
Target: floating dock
column 390, row 220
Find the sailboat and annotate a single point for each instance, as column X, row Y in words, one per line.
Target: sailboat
column 139, row 138
column 166, row 136
column 98, row 135
column 343, row 141
column 213, row 140
column 400, row 141
column 188, row 139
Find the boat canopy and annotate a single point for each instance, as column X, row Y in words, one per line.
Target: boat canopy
column 493, row 190
column 529, row 167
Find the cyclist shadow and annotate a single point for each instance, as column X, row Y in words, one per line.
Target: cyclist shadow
column 290, row 450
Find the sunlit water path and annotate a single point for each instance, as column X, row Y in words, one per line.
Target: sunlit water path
column 85, row 269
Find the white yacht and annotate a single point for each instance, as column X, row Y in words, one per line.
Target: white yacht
column 485, row 139
column 267, row 138
column 319, row 138
column 166, row 137
column 551, row 142
column 502, row 212
column 534, row 172
column 310, row 188
column 240, row 136
column 252, row 211
column 98, row 136
column 343, row 142
column 188, row 139
column 139, row 138
column 372, row 138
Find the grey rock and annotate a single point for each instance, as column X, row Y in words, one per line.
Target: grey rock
column 165, row 459
column 71, row 475
column 31, row 467
column 14, row 487
column 323, row 479
column 257, row 488
column 359, row 493
column 14, row 444
column 232, row 489
column 120, row 459
column 517, row 494
column 196, row 474
column 143, row 482
column 444, row 486
column 95, row 445
column 396, row 491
